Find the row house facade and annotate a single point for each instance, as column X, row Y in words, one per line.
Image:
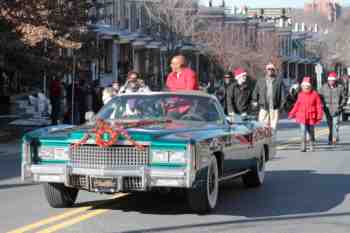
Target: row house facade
column 130, row 39
column 123, row 28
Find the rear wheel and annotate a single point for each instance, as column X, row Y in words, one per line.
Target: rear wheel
column 60, row 196
column 256, row 176
column 204, row 198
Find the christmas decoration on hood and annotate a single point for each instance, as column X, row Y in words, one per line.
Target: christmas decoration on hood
column 114, row 130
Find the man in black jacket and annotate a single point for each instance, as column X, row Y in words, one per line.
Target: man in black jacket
column 222, row 92
column 333, row 98
column 269, row 96
column 239, row 94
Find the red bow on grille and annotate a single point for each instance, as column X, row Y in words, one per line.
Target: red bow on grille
column 114, row 130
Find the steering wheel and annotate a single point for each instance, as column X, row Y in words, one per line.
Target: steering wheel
column 192, row 116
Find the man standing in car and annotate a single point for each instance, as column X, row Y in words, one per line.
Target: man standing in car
column 182, row 78
column 268, row 95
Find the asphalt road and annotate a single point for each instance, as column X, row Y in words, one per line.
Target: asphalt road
column 303, row 192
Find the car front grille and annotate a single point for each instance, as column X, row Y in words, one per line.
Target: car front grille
column 79, row 181
column 95, row 157
column 132, row 183
column 129, row 183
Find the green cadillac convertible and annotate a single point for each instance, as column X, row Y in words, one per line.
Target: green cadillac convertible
column 149, row 141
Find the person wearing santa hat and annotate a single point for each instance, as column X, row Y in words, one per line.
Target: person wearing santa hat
column 333, row 97
column 307, row 111
column 269, row 96
column 239, row 94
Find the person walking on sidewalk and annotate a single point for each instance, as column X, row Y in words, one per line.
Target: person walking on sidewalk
column 307, row 111
column 55, row 98
column 333, row 97
column 269, row 96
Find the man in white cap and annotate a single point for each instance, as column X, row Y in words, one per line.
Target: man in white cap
column 333, row 97
column 269, row 96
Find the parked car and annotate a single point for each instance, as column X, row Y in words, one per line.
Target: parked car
column 141, row 142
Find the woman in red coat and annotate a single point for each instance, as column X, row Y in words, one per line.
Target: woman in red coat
column 307, row 111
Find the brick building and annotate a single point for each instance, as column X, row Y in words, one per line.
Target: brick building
column 327, row 8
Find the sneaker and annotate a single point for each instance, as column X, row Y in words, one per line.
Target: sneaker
column 312, row 146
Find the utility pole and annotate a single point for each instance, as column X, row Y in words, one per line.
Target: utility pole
column 73, row 85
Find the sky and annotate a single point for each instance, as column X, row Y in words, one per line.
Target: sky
column 263, row 3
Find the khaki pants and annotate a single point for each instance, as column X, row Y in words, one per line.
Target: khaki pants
column 269, row 118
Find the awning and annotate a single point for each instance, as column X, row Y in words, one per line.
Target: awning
column 154, row 45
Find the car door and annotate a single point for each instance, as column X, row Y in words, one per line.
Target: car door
column 238, row 150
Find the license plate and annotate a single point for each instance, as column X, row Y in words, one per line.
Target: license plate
column 104, row 183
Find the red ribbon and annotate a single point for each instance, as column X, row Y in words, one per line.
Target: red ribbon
column 114, row 130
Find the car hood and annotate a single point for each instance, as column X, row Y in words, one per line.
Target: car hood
column 177, row 131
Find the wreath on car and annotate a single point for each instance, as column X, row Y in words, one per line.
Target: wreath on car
column 107, row 134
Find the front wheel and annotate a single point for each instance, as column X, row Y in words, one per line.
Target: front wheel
column 256, row 176
column 60, row 196
column 203, row 199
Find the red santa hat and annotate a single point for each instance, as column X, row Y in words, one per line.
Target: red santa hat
column 306, row 81
column 332, row 76
column 239, row 72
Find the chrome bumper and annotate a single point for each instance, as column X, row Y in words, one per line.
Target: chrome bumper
column 150, row 177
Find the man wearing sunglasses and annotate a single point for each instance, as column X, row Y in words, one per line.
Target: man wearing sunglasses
column 268, row 95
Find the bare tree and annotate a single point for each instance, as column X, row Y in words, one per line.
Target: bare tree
column 229, row 48
column 338, row 41
column 175, row 21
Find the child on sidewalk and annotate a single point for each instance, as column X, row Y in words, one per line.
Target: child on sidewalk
column 307, row 111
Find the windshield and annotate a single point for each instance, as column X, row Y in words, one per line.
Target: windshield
column 161, row 107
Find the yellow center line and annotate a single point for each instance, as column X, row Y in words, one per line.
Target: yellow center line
column 58, row 217
column 50, row 220
column 73, row 221
column 78, row 219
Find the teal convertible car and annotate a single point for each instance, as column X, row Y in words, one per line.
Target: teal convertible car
column 147, row 141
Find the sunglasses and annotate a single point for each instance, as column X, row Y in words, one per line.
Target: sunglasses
column 270, row 69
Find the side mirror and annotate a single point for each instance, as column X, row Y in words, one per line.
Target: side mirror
column 90, row 116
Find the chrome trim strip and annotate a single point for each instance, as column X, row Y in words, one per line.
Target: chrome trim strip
column 191, row 165
column 107, row 172
column 167, row 173
column 49, row 169
column 234, row 175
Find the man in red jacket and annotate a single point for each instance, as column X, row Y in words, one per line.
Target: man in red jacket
column 181, row 78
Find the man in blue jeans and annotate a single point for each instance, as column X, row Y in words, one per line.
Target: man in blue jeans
column 333, row 97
